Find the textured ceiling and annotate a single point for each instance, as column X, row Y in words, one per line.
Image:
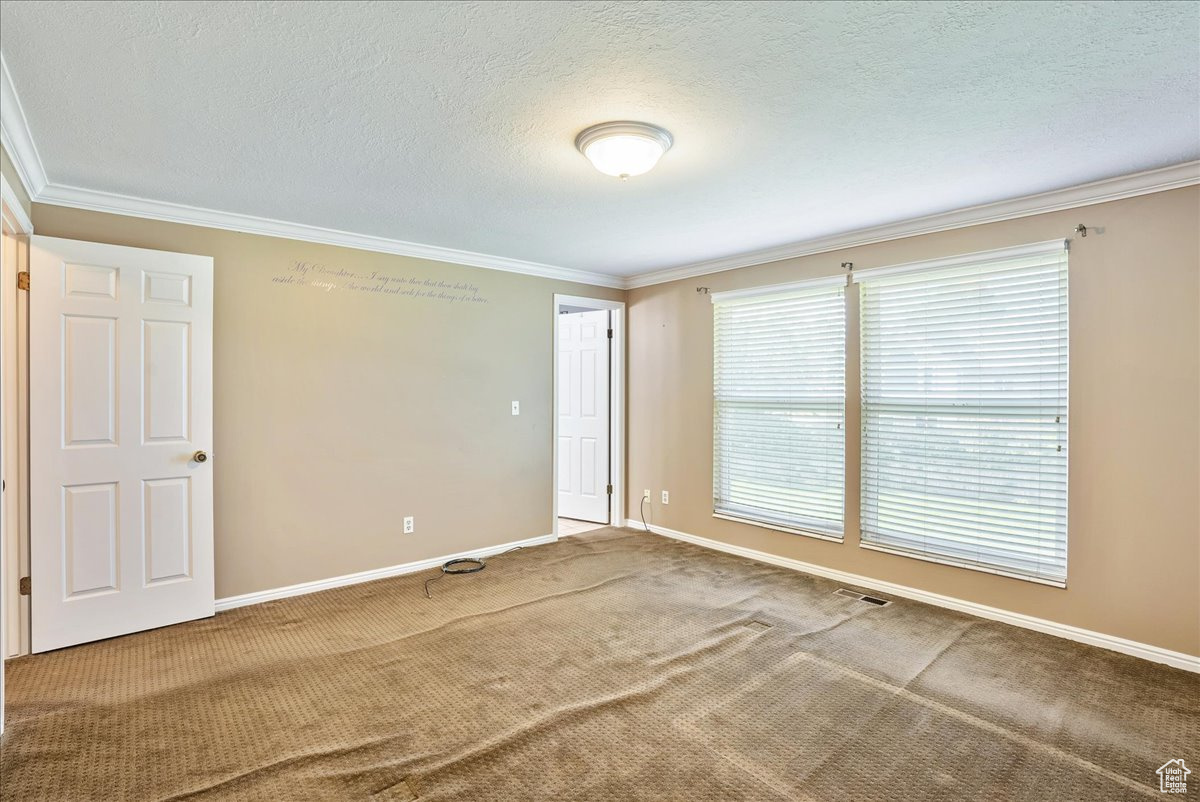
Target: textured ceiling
column 452, row 124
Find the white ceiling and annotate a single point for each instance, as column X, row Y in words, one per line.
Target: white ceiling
column 452, row 124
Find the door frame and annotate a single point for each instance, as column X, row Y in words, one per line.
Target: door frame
column 616, row 404
column 17, row 224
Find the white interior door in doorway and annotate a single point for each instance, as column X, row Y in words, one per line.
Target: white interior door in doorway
column 583, row 415
column 121, row 487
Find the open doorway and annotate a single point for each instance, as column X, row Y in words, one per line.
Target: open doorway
column 589, row 349
column 15, row 229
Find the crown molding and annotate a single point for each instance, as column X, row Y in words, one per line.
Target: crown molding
column 17, row 141
column 13, row 211
column 112, row 203
column 14, row 135
column 1110, row 189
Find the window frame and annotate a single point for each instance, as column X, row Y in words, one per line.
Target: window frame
column 840, row 282
column 854, row 351
column 981, row 259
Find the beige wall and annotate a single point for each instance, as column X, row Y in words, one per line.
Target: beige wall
column 337, row 413
column 14, row 180
column 1134, row 498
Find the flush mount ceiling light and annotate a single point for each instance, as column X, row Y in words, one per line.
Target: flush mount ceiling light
column 622, row 149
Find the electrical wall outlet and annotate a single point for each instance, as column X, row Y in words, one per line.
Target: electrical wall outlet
column 666, row 497
column 646, row 494
column 516, row 407
column 408, row 525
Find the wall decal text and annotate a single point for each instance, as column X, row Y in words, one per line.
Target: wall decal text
column 329, row 278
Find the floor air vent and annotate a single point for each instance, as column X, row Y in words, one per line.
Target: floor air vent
column 851, row 594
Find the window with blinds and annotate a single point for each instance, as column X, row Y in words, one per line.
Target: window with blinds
column 779, row 385
column 964, row 411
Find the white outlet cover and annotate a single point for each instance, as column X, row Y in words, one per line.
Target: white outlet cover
column 516, row 407
column 408, row 525
column 666, row 497
column 646, row 493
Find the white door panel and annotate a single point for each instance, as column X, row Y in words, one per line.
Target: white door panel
column 583, row 415
column 120, row 400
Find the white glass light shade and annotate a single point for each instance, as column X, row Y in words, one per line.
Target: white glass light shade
column 623, row 149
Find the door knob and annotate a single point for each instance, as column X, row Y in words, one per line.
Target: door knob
column 200, row 456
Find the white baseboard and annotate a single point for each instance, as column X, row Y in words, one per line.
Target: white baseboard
column 1145, row 651
column 261, row 596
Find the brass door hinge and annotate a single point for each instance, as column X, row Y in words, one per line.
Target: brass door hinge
column 23, row 280
column 23, row 586
column 610, row 490
column 610, row 334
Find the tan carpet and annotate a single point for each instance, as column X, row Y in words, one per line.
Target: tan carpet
column 612, row 666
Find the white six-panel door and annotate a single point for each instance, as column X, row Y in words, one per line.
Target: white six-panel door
column 120, row 391
column 583, row 436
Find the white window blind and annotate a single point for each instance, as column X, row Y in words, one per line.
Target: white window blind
column 964, row 416
column 779, row 384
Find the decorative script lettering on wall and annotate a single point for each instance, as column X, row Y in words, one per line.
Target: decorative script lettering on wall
column 328, row 278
